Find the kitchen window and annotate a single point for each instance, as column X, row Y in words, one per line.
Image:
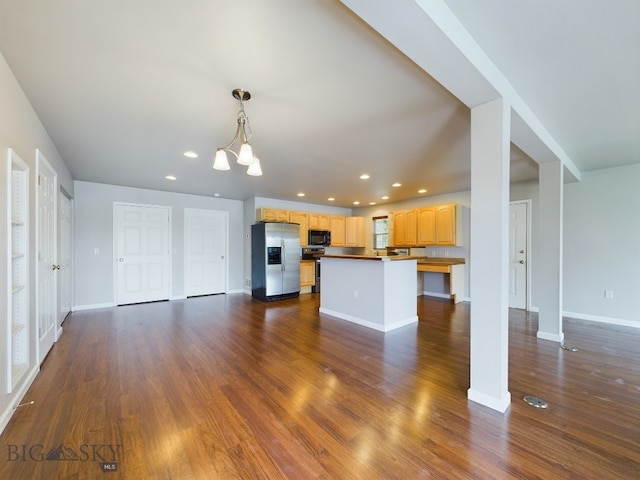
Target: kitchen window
column 380, row 232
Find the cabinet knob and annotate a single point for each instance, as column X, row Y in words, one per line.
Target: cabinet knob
column 55, row 267
column 521, row 261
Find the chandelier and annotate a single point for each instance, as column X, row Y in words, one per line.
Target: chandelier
column 243, row 135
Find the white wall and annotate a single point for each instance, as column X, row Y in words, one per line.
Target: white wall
column 94, row 285
column 601, row 248
column 21, row 130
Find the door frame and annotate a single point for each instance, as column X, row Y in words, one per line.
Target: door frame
column 62, row 194
column 528, row 204
column 41, row 162
column 115, row 246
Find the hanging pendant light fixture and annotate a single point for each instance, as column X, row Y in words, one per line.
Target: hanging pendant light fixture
column 243, row 134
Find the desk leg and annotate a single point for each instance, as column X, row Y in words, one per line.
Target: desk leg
column 456, row 283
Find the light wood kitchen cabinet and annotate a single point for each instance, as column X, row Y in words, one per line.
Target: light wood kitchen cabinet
column 446, row 225
column 411, row 225
column 307, row 273
column 303, row 219
column 337, row 231
column 354, row 232
column 404, row 228
column 272, row 215
column 319, row 221
column 438, row 225
column 426, row 226
column 399, row 237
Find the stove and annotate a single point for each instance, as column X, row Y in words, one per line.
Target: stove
column 312, row 253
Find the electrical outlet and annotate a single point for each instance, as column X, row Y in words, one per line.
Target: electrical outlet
column 355, row 294
column 446, row 253
column 608, row 294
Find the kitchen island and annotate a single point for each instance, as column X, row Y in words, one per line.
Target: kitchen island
column 376, row 292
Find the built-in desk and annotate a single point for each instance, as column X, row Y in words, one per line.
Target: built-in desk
column 453, row 267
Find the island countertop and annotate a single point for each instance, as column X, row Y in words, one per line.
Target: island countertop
column 369, row 257
column 383, row 258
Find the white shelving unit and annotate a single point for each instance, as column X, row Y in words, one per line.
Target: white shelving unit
column 18, row 271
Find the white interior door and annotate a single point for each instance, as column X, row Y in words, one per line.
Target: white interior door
column 47, row 268
column 518, row 254
column 143, row 256
column 205, row 252
column 64, row 258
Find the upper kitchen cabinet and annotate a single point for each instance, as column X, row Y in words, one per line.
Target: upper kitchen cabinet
column 405, row 228
column 354, row 232
column 438, row 225
column 319, row 221
column 272, row 215
column 303, row 219
column 448, row 231
column 426, row 226
column 337, row 228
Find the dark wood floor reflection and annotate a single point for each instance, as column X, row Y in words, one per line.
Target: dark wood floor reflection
column 232, row 388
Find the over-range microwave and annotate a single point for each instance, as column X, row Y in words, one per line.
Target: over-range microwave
column 319, row 237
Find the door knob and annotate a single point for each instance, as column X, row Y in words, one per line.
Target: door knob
column 121, row 259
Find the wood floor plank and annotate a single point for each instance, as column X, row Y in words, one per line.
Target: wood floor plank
column 230, row 387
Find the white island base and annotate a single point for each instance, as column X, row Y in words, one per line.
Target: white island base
column 376, row 292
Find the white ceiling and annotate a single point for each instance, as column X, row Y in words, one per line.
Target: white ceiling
column 124, row 88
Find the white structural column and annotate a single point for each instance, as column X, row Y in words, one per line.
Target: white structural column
column 551, row 186
column 490, row 134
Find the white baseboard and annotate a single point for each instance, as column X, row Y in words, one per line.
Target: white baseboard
column 438, row 295
column 365, row 323
column 499, row 404
column 600, row 319
column 94, row 306
column 17, row 397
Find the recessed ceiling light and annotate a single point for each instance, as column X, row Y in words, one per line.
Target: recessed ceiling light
column 170, row 177
column 331, row 199
column 216, row 194
column 386, row 197
column 372, row 203
column 190, row 154
column 422, row 190
column 396, row 185
column 356, row 202
column 364, row 176
column 301, row 194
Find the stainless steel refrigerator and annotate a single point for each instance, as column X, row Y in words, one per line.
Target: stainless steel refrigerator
column 275, row 260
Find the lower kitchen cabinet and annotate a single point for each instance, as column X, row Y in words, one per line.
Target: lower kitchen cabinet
column 307, row 273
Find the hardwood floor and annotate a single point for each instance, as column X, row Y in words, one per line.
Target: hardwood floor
column 229, row 387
